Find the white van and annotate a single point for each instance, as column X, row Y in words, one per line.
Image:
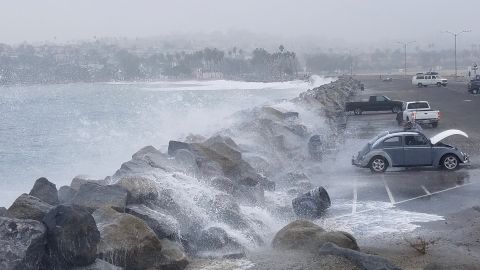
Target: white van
column 429, row 78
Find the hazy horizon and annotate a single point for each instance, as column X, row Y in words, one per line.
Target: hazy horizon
column 338, row 22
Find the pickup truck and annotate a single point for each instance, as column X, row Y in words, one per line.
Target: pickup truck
column 374, row 103
column 474, row 85
column 418, row 112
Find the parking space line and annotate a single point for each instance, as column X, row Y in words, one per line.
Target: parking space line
column 390, row 196
column 426, row 190
column 354, row 203
column 433, row 193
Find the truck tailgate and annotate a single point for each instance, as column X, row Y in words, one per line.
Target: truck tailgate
column 424, row 115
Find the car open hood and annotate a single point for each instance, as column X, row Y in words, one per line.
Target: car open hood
column 447, row 133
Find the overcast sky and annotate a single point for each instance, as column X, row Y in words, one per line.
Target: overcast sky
column 350, row 20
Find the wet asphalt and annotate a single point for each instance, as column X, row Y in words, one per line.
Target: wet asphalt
column 424, row 189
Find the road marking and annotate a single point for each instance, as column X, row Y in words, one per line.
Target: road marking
column 400, row 202
column 392, row 200
column 433, row 193
column 354, row 203
column 426, row 190
column 467, row 100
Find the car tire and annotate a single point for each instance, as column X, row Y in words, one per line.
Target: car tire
column 378, row 164
column 439, row 84
column 419, row 85
column 435, row 125
column 357, row 111
column 475, row 91
column 450, row 162
column 396, row 109
column 425, row 85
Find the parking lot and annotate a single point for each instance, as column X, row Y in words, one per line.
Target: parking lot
column 425, row 194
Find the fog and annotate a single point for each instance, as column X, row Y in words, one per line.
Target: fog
column 367, row 22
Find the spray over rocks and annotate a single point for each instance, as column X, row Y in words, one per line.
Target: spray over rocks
column 206, row 197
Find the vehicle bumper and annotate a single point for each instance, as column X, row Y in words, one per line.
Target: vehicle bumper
column 466, row 159
column 357, row 162
column 426, row 121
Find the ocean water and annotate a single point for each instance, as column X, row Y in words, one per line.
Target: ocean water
column 60, row 131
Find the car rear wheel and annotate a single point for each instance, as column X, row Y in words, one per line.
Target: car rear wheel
column 419, row 85
column 475, row 91
column 449, row 162
column 357, row 111
column 434, row 125
column 378, row 164
column 439, row 84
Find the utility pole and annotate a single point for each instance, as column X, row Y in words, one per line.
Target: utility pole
column 405, row 44
column 455, row 37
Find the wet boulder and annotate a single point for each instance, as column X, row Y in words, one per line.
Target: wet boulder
column 307, row 236
column 3, row 212
column 315, row 147
column 225, row 209
column 216, row 241
column 140, row 189
column 163, row 224
column 94, row 196
column 28, row 207
column 174, row 146
column 361, row 260
column 66, row 194
column 22, row 244
column 312, row 204
column 45, row 191
column 224, row 184
column 80, row 180
column 187, row 161
column 173, row 256
column 98, row 265
column 72, row 236
column 126, row 240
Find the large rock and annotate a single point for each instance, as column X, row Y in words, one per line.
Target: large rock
column 315, row 147
column 163, row 224
column 173, row 256
column 140, row 189
column 94, row 196
column 80, row 180
column 72, row 236
column 28, row 207
column 305, row 235
column 45, row 191
column 22, row 244
column 448, row 265
column 66, row 194
column 128, row 241
column 3, row 212
column 312, row 204
column 362, row 260
column 225, row 209
column 98, row 265
column 215, row 240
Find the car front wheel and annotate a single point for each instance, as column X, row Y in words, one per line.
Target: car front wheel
column 449, row 162
column 357, row 111
column 475, row 91
column 439, row 84
column 378, row 164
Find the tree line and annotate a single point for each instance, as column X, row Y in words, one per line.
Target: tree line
column 100, row 62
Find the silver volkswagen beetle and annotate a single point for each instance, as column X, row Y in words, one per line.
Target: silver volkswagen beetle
column 410, row 148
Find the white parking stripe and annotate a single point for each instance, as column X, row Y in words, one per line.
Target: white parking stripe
column 392, row 200
column 354, row 203
column 426, row 190
column 433, row 193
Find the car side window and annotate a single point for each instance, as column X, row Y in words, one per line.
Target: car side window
column 393, row 141
column 428, row 77
column 433, row 77
column 420, row 77
column 380, row 99
column 415, row 140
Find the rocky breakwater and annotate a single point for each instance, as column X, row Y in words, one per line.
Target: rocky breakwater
column 205, row 197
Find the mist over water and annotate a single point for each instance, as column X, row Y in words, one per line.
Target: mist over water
column 60, row 131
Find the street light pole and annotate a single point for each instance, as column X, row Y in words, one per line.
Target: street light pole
column 405, row 55
column 455, row 38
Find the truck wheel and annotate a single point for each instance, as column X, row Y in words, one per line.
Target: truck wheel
column 435, row 125
column 357, row 111
column 449, row 162
column 378, row 164
column 395, row 109
column 419, row 85
column 439, row 84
